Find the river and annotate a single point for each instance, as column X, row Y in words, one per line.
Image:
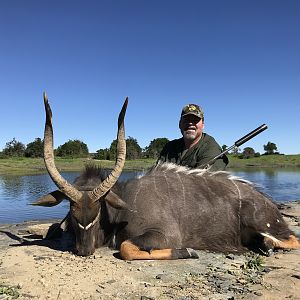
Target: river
column 17, row 192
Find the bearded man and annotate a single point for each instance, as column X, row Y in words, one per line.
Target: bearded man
column 195, row 148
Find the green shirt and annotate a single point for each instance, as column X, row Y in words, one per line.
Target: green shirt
column 206, row 149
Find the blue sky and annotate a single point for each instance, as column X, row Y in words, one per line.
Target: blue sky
column 239, row 60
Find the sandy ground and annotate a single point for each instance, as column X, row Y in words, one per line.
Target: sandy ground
column 43, row 270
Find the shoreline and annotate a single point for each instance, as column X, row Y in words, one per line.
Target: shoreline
column 31, row 166
column 41, row 271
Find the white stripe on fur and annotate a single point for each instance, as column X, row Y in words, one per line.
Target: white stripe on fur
column 199, row 172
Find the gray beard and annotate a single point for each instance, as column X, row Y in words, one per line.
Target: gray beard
column 190, row 136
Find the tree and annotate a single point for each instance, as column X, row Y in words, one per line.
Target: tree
column 155, row 147
column 133, row 150
column 270, row 148
column 248, row 152
column 35, row 148
column 113, row 150
column 73, row 148
column 14, row 148
column 236, row 151
column 224, row 147
column 103, row 154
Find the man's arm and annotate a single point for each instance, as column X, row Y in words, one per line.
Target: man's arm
column 210, row 151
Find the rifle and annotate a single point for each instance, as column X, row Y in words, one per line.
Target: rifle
column 238, row 143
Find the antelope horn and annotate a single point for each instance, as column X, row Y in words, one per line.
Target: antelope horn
column 111, row 179
column 64, row 186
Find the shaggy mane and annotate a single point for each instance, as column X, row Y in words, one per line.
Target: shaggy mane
column 90, row 177
column 165, row 167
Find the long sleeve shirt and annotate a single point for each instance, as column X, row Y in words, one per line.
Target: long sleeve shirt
column 205, row 150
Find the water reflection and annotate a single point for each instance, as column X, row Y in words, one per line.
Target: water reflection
column 16, row 192
column 281, row 184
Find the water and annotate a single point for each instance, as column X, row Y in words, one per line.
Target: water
column 16, row 192
column 282, row 185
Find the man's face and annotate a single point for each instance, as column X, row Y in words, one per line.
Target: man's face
column 191, row 127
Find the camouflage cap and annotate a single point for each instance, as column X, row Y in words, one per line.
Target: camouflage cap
column 192, row 109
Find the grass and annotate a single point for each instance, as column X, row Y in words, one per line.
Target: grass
column 11, row 291
column 24, row 166
column 254, row 262
column 279, row 161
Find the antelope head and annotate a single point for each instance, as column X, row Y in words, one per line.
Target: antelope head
column 85, row 204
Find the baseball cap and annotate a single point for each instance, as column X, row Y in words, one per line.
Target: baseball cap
column 192, row 109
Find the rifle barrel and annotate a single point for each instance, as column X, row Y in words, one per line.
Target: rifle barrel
column 238, row 143
column 250, row 135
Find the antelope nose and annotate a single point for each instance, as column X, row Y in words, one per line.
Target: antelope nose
column 84, row 252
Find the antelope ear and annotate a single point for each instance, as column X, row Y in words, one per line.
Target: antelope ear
column 50, row 199
column 115, row 201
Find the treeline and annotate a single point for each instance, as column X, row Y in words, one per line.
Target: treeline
column 248, row 152
column 77, row 149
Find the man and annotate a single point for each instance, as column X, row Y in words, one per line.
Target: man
column 195, row 148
